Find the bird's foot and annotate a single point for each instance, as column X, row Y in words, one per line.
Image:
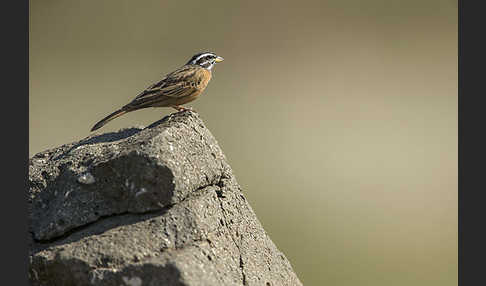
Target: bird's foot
column 180, row 108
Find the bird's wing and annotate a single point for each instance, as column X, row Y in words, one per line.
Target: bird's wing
column 178, row 83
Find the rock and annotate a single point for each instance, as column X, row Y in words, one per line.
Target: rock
column 146, row 206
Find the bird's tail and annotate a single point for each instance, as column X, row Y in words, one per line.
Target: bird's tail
column 109, row 118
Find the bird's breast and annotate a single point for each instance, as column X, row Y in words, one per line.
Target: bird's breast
column 202, row 78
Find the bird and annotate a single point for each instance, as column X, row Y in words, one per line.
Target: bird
column 179, row 87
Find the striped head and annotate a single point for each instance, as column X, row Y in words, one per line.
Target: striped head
column 205, row 60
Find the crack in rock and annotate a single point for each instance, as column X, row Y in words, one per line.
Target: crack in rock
column 241, row 265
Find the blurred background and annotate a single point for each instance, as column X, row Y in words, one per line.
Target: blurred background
column 338, row 117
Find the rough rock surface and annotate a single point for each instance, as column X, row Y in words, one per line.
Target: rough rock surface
column 152, row 206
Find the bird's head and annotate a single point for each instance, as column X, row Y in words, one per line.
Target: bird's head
column 205, row 60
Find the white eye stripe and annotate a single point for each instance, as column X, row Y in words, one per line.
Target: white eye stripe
column 201, row 56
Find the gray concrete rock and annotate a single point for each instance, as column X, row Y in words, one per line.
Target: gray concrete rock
column 146, row 206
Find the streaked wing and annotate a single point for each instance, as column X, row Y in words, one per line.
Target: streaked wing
column 175, row 84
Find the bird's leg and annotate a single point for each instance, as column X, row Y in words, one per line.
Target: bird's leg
column 181, row 108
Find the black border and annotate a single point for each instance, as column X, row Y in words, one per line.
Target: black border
column 14, row 23
column 471, row 142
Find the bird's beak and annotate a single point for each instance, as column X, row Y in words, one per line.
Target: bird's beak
column 219, row 59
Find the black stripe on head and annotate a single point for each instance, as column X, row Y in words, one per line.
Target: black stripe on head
column 205, row 59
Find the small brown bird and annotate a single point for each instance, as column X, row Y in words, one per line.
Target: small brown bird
column 181, row 86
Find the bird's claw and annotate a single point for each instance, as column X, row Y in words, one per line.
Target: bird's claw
column 181, row 109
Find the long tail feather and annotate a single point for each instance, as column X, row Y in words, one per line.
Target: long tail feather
column 109, row 118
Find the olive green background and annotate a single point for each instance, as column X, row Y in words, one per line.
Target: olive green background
column 338, row 117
